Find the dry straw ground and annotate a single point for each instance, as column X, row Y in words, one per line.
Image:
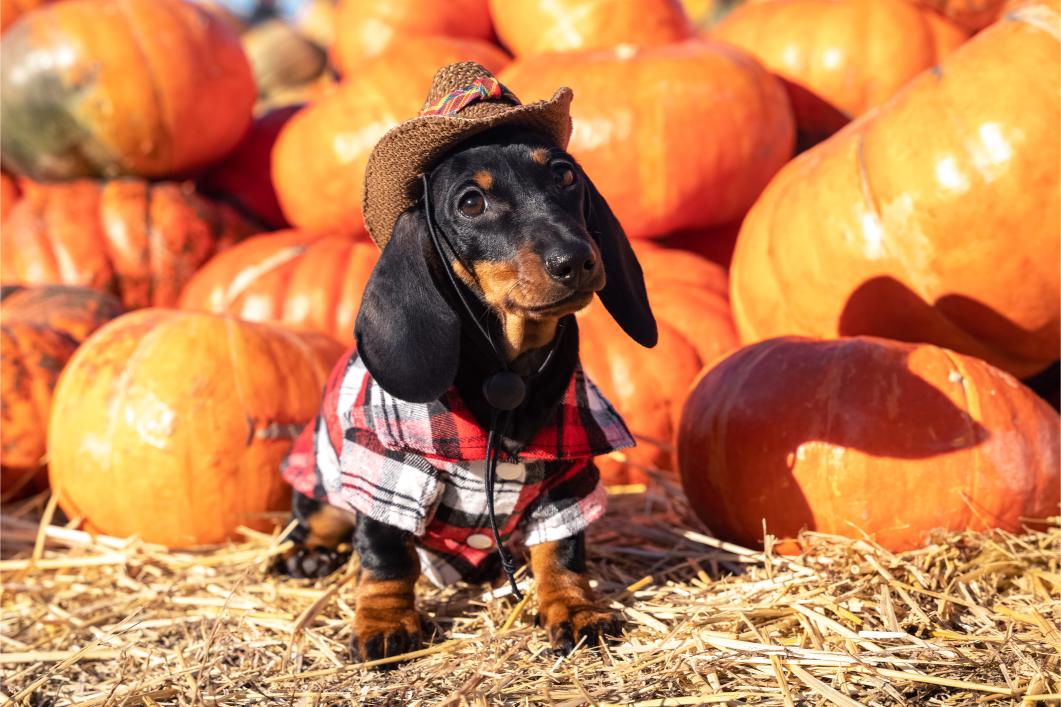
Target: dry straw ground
column 969, row 619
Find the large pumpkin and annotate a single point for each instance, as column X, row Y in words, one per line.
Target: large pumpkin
column 368, row 28
column 40, row 328
column 864, row 437
column 917, row 226
column 839, row 58
column 540, row 26
column 172, row 425
column 678, row 137
column 319, row 159
column 648, row 386
column 121, row 87
column 298, row 279
column 137, row 240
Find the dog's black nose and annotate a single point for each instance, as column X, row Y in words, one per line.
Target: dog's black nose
column 571, row 265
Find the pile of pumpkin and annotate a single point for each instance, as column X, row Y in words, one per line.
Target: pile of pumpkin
column 846, row 210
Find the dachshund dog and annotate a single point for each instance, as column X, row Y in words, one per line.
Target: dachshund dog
column 534, row 242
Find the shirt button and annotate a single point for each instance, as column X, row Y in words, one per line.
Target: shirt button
column 479, row 541
column 510, row 472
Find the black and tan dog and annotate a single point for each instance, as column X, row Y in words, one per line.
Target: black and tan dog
column 527, row 241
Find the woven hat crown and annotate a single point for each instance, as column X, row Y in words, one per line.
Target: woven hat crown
column 461, row 76
column 464, row 99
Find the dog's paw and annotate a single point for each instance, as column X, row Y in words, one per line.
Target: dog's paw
column 567, row 624
column 385, row 634
column 304, row 562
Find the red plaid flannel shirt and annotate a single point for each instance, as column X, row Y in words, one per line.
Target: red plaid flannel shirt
column 420, row 467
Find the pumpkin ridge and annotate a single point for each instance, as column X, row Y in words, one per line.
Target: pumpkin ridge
column 1037, row 16
column 863, row 179
column 120, row 391
column 774, row 264
column 153, row 239
column 247, row 276
column 80, row 146
column 751, row 368
column 971, row 403
column 34, row 388
column 48, row 244
column 230, row 327
column 152, row 78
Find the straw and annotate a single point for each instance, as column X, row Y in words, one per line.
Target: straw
column 969, row 618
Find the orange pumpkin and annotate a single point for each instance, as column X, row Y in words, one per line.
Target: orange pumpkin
column 688, row 141
column 319, row 159
column 9, row 194
column 972, row 15
column 121, row 87
column 41, row 328
column 918, row 228
column 648, row 386
column 172, row 425
column 137, row 240
column 540, row 26
column 864, row 437
column 368, row 28
column 716, row 244
column 301, row 280
column 839, row 58
column 245, row 175
column 11, row 10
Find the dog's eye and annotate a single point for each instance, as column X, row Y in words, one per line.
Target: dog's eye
column 471, row 204
column 564, row 175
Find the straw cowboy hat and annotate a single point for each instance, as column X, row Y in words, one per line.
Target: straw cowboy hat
column 465, row 99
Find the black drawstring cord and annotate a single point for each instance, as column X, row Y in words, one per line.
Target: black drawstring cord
column 508, row 563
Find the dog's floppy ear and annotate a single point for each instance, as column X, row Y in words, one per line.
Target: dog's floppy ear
column 407, row 334
column 624, row 293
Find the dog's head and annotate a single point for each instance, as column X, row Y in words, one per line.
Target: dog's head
column 534, row 241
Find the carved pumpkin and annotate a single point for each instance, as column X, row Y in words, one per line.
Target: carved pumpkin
column 365, row 29
column 839, row 58
column 298, row 279
column 137, row 240
column 319, row 159
column 864, row 436
column 540, row 26
column 172, row 425
column 121, row 87
column 678, row 137
column 648, row 386
column 40, row 328
column 920, row 229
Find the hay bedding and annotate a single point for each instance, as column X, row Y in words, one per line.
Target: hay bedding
column 970, row 619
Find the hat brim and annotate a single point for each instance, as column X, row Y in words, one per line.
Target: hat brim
column 411, row 148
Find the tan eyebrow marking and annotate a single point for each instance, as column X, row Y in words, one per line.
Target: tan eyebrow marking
column 540, row 155
column 484, row 179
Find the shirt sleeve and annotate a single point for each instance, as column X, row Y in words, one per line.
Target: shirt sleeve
column 567, row 506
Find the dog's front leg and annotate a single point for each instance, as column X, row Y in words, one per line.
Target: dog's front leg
column 567, row 607
column 386, row 622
